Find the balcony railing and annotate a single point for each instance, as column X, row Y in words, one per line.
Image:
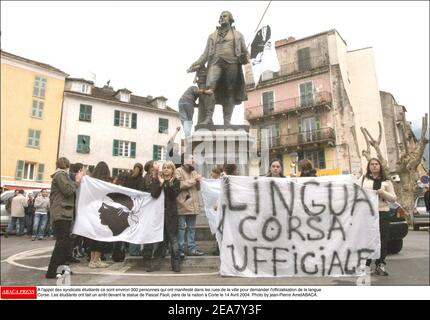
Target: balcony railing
column 324, row 135
column 296, row 104
column 292, row 68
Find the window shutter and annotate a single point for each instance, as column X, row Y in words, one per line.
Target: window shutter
column 116, row 119
column 321, row 159
column 87, row 144
column 133, row 150
column 41, row 105
column 134, row 120
column 154, row 152
column 19, row 169
column 115, row 148
column 304, row 57
column 40, row 170
column 88, row 113
column 37, row 138
column 299, row 130
column 82, row 112
column 79, row 145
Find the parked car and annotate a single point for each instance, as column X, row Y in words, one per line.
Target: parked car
column 398, row 228
column 5, row 216
column 420, row 216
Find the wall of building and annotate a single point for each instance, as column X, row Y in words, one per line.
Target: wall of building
column 102, row 132
column 16, row 119
column 367, row 102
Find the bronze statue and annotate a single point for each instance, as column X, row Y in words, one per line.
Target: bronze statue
column 225, row 53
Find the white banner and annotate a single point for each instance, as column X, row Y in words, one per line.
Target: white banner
column 211, row 190
column 108, row 212
column 326, row 226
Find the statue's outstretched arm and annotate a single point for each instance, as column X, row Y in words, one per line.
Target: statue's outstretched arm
column 201, row 60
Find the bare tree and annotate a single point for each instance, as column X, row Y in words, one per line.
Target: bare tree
column 410, row 159
column 406, row 167
column 375, row 144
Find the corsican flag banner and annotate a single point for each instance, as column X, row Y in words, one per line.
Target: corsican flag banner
column 268, row 227
column 107, row 212
column 263, row 54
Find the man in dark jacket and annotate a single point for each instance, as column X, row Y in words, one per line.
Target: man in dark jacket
column 135, row 181
column 62, row 204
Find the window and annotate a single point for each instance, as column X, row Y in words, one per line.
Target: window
column 273, row 133
column 163, row 125
column 33, row 138
column 304, row 59
column 158, row 153
column 123, row 148
column 124, row 97
column 85, row 88
column 268, row 102
column 37, row 109
column 39, row 87
column 125, row 119
column 317, row 157
column 83, row 145
column 309, row 129
column 85, row 112
column 27, row 170
column 306, row 94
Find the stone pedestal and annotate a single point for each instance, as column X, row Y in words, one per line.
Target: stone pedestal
column 218, row 144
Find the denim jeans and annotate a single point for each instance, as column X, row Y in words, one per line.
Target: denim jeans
column 190, row 222
column 186, row 112
column 29, row 223
column 19, row 227
column 39, row 225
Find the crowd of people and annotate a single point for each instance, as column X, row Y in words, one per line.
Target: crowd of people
column 181, row 186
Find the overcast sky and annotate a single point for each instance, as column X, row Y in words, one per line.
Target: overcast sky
column 147, row 46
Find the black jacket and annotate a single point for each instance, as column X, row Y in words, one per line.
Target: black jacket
column 136, row 183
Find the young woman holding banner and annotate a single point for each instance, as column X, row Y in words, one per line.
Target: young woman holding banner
column 374, row 179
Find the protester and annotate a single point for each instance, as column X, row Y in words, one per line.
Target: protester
column 135, row 181
column 119, row 247
column 216, row 172
column 306, row 169
column 375, row 179
column 171, row 187
column 77, row 249
column 186, row 104
column 62, row 203
column 426, row 198
column 152, row 170
column 173, row 149
column 188, row 205
column 41, row 205
column 29, row 214
column 17, row 209
column 9, row 202
column 101, row 172
column 275, row 169
column 230, row 169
